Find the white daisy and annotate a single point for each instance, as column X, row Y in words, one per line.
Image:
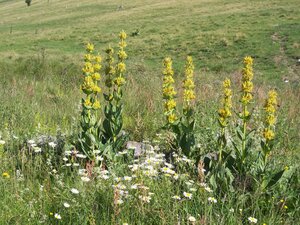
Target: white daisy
column 252, row 220
column 52, row 144
column 176, row 197
column 192, row 219
column 67, row 205
column 74, row 191
column 57, row 216
column 85, row 179
column 212, row 200
column 188, row 195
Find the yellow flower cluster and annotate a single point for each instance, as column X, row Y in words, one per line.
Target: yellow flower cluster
column 5, row 175
column 169, row 91
column 91, row 74
column 188, row 83
column 270, row 109
column 109, row 69
column 247, row 85
column 121, row 66
column 225, row 111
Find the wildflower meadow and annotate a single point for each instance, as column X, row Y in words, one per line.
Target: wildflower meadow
column 149, row 112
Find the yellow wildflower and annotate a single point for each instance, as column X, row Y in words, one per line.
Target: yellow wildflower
column 88, row 57
column 98, row 59
column 122, row 44
column 96, row 89
column 119, row 81
column 122, row 55
column 268, row 134
column 96, row 76
column 169, row 91
column 247, row 85
column 226, row 83
column 225, row 111
column 188, row 83
column 97, row 67
column 122, row 35
column 286, row 168
column 270, row 118
column 109, row 69
column 172, row 118
column 88, row 68
column 87, row 102
column 248, row 60
column 89, row 47
column 227, row 92
column 88, row 85
column 170, row 104
column 168, row 80
column 188, row 95
column 5, row 175
column 246, row 98
column 96, row 104
column 121, row 67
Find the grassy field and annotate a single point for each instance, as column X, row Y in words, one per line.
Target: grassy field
column 41, row 56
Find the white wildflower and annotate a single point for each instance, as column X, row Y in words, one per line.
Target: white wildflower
column 252, row 220
column 74, row 191
column 67, row 205
column 192, row 219
column 85, row 179
column 188, row 195
column 52, row 144
column 127, row 178
column 37, row 149
column 208, row 189
column 176, row 197
column 30, row 142
column 212, row 200
column 57, row 216
column 81, row 156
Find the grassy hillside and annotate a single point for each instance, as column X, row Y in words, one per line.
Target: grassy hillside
column 217, row 33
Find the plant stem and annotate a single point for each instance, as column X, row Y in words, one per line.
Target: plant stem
column 244, row 136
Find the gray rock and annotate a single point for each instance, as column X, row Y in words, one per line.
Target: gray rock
column 138, row 147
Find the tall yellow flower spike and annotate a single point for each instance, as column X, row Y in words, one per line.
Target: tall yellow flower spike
column 91, row 69
column 169, row 91
column 225, row 111
column 121, row 66
column 109, row 69
column 270, row 119
column 188, row 83
column 247, row 85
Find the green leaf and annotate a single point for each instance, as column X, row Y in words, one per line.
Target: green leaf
column 239, row 134
column 275, row 179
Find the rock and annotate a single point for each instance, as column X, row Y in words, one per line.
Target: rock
column 138, row 147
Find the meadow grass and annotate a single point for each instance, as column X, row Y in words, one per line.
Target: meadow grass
column 41, row 53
